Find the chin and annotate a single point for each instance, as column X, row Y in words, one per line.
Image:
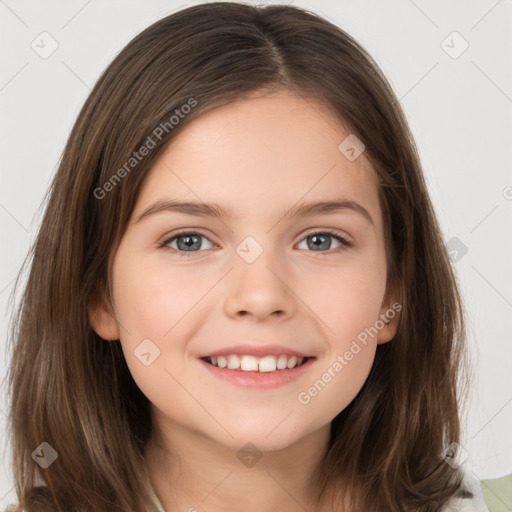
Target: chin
column 257, row 441
column 266, row 435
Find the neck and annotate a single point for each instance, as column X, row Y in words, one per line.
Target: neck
column 191, row 472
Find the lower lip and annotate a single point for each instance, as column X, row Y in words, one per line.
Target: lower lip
column 259, row 380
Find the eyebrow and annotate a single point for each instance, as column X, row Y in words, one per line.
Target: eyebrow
column 202, row 209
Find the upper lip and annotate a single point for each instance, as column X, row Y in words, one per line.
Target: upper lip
column 255, row 350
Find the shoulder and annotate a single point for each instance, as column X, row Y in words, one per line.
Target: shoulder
column 469, row 497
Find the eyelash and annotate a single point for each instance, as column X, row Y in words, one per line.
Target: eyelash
column 344, row 242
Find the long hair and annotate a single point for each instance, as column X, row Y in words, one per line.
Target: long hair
column 72, row 390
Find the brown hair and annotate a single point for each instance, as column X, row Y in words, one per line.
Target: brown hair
column 73, row 390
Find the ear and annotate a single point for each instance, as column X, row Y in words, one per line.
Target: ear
column 389, row 314
column 102, row 318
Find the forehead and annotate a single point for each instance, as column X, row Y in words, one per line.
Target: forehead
column 270, row 149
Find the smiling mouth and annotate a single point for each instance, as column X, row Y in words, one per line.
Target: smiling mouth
column 247, row 363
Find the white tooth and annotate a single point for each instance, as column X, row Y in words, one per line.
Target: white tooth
column 214, row 360
column 221, row 362
column 299, row 360
column 233, row 362
column 282, row 362
column 249, row 364
column 292, row 362
column 268, row 364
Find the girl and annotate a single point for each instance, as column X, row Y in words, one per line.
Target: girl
column 239, row 297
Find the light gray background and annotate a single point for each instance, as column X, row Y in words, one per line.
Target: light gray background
column 459, row 110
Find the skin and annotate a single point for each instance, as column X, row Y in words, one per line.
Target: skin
column 261, row 155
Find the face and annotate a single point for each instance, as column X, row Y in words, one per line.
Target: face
column 252, row 280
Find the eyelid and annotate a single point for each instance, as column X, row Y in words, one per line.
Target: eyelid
column 329, row 231
column 190, row 231
column 345, row 240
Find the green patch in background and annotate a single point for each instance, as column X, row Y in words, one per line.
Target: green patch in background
column 498, row 493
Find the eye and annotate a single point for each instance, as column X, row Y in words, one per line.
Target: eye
column 320, row 240
column 186, row 241
column 191, row 241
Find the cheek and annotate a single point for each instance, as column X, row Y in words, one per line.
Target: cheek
column 349, row 313
column 347, row 299
column 335, row 384
column 347, row 302
column 151, row 299
column 151, row 302
column 157, row 303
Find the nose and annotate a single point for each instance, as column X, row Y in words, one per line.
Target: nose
column 260, row 289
